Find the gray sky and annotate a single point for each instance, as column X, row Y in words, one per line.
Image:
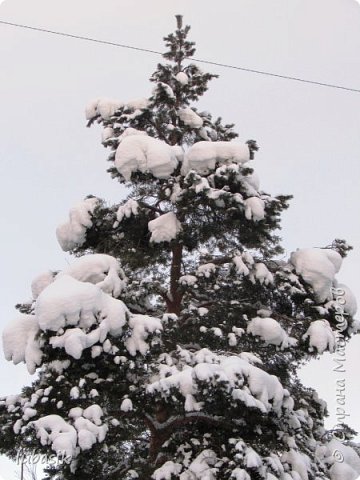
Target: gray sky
column 309, row 136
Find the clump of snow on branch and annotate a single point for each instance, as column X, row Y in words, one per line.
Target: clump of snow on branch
column 64, row 437
column 130, row 208
column 72, row 234
column 142, row 326
column 254, row 209
column 204, row 156
column 266, row 392
column 348, row 469
column 271, row 332
column 106, row 107
column 20, row 343
column 317, row 267
column 146, row 155
column 343, row 298
column 101, row 270
column 164, row 228
column 41, row 282
column 182, row 78
column 190, row 118
column 321, row 336
column 261, row 273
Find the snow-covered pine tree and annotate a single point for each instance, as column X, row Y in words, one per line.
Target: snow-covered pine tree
column 169, row 348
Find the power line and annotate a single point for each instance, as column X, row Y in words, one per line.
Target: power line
column 155, row 52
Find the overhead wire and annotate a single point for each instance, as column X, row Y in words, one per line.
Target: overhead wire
column 207, row 62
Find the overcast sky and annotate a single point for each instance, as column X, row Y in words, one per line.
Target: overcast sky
column 309, row 136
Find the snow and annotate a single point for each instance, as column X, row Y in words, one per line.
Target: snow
column 271, row 332
column 204, row 156
column 261, row 274
column 189, row 280
column 182, row 78
column 190, row 118
column 240, row 266
column 163, row 87
column 41, row 282
column 72, row 234
column 93, row 413
column 206, row 270
column 107, row 133
column 141, row 326
column 344, row 298
column 299, row 462
column 55, row 431
column 167, row 471
column 100, row 269
column 89, row 433
column 105, row 107
column 68, row 301
column 240, row 474
column 138, row 104
column 164, row 228
column 200, row 467
column 321, row 337
column 266, row 392
column 147, row 155
column 317, row 267
column 20, row 343
column 254, row 209
column 126, row 405
column 129, row 208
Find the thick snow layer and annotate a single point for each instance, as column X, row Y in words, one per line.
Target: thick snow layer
column 182, row 78
column 167, row 471
column 254, row 209
column 240, row 266
column 147, row 155
column 130, row 208
column 142, row 326
column 20, row 343
column 99, row 269
column 240, row 474
column 88, row 433
column 261, row 274
column 106, row 107
column 107, row 133
column 201, row 467
column 41, row 282
column 190, row 118
column 189, row 280
column 344, row 298
column 73, row 233
column 321, row 337
column 231, row 372
column 164, row 228
column 55, row 431
column 299, row 462
column 204, row 156
column 138, row 104
column 317, row 267
column 271, row 332
column 163, row 87
column 126, row 405
column 68, row 302
column 206, row 270
column 351, row 461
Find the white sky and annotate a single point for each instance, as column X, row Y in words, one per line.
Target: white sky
column 309, row 136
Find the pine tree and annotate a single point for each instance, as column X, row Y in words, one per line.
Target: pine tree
column 169, row 348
